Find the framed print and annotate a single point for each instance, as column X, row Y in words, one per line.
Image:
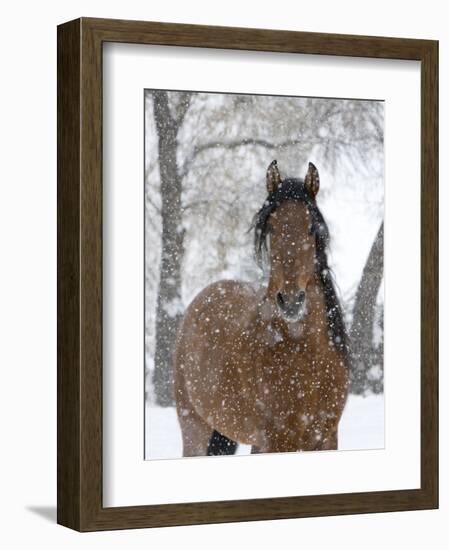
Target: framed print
column 247, row 274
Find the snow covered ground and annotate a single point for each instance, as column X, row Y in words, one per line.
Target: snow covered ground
column 361, row 427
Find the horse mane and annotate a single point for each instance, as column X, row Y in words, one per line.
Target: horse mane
column 294, row 189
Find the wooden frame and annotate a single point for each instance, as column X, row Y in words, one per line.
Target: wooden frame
column 80, row 274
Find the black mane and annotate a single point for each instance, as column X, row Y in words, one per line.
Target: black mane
column 294, row 189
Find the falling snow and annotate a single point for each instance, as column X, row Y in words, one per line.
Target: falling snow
column 221, row 187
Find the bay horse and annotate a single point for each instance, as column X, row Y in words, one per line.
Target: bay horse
column 267, row 367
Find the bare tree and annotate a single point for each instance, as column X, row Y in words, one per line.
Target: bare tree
column 361, row 334
column 168, row 311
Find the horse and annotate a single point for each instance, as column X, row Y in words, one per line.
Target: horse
column 267, row 366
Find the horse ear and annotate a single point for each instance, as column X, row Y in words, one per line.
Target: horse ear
column 273, row 177
column 312, row 180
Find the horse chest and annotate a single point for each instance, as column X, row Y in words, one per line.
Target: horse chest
column 284, row 369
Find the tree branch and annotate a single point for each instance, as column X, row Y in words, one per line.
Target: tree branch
column 183, row 107
column 230, row 145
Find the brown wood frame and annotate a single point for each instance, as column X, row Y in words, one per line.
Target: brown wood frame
column 80, row 274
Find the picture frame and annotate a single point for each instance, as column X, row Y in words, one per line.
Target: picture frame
column 80, row 274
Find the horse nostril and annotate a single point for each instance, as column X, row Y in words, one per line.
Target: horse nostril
column 290, row 303
column 280, row 300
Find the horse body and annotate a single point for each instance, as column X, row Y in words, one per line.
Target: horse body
column 258, row 365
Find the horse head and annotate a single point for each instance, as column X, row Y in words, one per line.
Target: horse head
column 292, row 231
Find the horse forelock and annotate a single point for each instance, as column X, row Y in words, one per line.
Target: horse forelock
column 294, row 189
column 290, row 189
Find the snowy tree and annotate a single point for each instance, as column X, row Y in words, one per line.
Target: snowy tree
column 169, row 307
column 366, row 368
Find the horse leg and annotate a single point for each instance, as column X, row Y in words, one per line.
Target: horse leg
column 331, row 442
column 194, row 430
column 195, row 433
column 219, row 444
column 198, row 437
column 330, row 439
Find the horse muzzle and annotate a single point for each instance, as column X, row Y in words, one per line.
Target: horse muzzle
column 291, row 306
